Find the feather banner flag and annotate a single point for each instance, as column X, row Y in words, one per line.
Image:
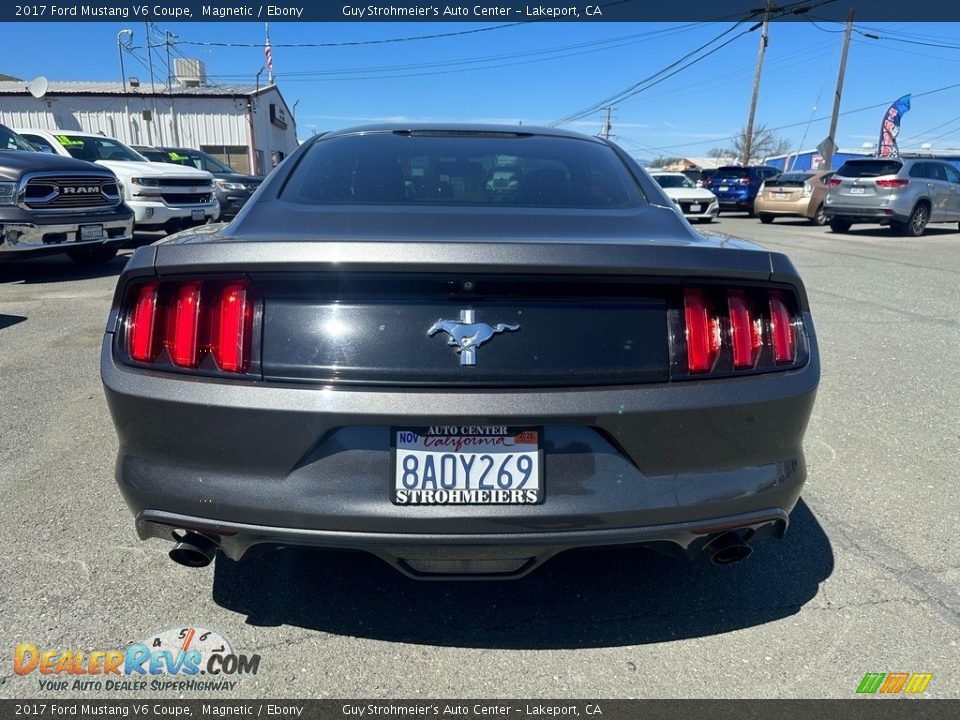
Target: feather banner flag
column 890, row 128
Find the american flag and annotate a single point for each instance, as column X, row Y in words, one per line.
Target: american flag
column 269, row 55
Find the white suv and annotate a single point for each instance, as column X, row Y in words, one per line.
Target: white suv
column 163, row 197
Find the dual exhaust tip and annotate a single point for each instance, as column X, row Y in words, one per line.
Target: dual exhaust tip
column 727, row 549
column 197, row 551
column 194, row 550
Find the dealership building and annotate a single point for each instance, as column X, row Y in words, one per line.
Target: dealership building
column 813, row 159
column 249, row 127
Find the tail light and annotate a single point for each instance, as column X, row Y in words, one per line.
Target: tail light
column 745, row 181
column 892, row 183
column 186, row 323
column 807, row 190
column 781, row 330
column 745, row 334
column 204, row 326
column 835, row 182
column 703, row 332
column 721, row 331
column 141, row 328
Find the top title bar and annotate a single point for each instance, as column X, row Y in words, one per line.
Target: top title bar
column 492, row 11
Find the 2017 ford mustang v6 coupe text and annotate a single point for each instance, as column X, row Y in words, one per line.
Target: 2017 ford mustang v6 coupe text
column 463, row 349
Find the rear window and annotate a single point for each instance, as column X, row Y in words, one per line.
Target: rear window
column 790, row 179
column 462, row 169
column 673, row 181
column 795, row 177
column 869, row 168
column 730, row 172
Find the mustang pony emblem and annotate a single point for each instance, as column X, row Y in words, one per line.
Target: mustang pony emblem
column 466, row 335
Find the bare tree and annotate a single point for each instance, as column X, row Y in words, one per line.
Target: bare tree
column 664, row 161
column 765, row 143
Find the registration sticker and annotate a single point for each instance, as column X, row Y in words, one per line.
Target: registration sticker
column 467, row 465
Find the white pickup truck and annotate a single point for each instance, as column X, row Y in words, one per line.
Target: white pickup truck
column 163, row 197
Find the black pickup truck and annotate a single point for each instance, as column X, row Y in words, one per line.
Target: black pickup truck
column 52, row 204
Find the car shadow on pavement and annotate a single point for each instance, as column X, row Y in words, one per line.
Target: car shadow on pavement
column 583, row 599
column 58, row 268
column 10, row 320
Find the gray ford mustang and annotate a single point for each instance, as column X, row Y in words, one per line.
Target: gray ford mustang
column 463, row 349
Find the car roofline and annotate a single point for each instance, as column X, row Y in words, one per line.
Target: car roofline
column 465, row 128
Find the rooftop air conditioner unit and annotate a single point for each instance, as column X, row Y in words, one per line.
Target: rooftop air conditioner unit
column 190, row 73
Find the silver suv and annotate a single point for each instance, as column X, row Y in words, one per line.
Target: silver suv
column 905, row 193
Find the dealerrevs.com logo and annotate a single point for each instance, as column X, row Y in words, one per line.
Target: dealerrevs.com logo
column 894, row 683
column 177, row 659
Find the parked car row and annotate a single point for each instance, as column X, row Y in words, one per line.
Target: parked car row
column 905, row 193
column 58, row 204
column 233, row 189
column 83, row 193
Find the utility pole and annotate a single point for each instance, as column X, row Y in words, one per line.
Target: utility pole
column 607, row 127
column 127, row 132
column 171, row 76
column 748, row 134
column 153, row 87
column 831, row 142
column 167, row 37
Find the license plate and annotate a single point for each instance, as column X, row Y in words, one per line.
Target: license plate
column 780, row 196
column 857, row 190
column 197, row 214
column 91, row 232
column 694, row 208
column 466, row 465
column 723, row 188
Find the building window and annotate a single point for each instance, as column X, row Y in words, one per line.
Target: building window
column 236, row 156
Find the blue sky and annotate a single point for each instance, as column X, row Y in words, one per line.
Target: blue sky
column 582, row 63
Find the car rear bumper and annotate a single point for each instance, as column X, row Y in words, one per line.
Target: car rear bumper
column 466, row 555
column 735, row 203
column 854, row 213
column 296, row 463
column 803, row 207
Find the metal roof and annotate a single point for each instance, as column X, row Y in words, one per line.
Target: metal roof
column 13, row 87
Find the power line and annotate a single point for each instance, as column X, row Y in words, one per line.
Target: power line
column 352, row 43
column 875, row 106
column 553, row 53
column 649, row 81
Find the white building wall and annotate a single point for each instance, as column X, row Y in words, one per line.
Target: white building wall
column 191, row 121
column 270, row 138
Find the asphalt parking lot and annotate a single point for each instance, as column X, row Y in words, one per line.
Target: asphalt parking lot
column 867, row 579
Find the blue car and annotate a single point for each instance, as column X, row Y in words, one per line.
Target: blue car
column 736, row 186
